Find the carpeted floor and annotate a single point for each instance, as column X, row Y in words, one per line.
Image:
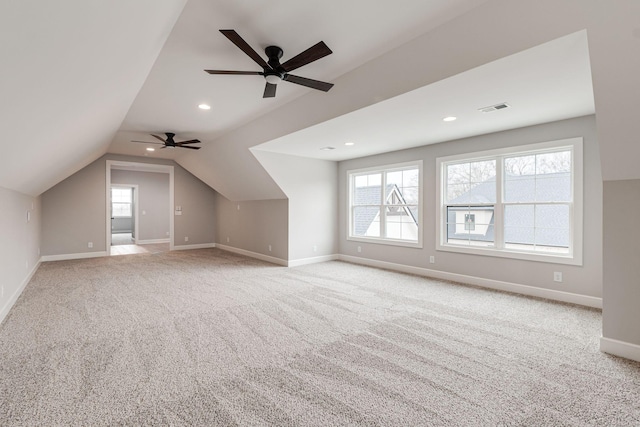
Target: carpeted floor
column 207, row 337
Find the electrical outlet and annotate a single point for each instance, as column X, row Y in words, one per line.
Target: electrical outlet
column 359, row 249
column 269, row 248
column 228, row 240
column 186, row 238
column 315, row 248
column 557, row 276
column 90, row 245
column 432, row 259
column 167, row 233
column 238, row 206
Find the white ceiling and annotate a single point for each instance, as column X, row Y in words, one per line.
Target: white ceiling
column 81, row 79
column 357, row 31
column 542, row 84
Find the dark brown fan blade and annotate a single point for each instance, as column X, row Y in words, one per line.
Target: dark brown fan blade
column 269, row 90
column 244, row 46
column 191, row 141
column 240, row 73
column 159, row 138
column 313, row 84
column 147, row 142
column 186, row 146
column 315, row 52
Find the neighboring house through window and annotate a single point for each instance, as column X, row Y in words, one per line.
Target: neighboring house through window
column 385, row 203
column 522, row 202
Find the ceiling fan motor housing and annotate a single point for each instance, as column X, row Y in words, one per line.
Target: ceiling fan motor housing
column 273, row 76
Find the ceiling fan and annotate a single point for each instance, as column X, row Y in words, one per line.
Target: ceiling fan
column 169, row 142
column 272, row 70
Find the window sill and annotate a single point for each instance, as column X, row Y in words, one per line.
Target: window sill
column 567, row 259
column 390, row 242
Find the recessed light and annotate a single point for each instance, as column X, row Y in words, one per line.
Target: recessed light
column 204, row 107
column 349, row 143
column 449, row 119
column 328, row 148
column 151, row 149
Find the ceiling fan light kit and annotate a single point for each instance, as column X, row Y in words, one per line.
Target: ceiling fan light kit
column 272, row 70
column 169, row 142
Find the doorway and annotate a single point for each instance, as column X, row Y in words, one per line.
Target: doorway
column 124, row 234
column 124, row 214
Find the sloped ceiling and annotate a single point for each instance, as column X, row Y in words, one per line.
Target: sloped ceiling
column 70, row 71
column 83, row 78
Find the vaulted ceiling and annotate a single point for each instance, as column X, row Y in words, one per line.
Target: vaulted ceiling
column 81, row 79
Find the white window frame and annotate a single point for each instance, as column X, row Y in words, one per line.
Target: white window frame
column 573, row 257
column 351, row 174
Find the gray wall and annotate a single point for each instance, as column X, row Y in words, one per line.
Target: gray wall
column 621, row 266
column 74, row 213
column 198, row 218
column 253, row 225
column 583, row 280
column 153, row 201
column 19, row 245
column 74, row 210
column 312, row 188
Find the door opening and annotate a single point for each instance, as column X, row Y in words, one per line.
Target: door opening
column 123, row 215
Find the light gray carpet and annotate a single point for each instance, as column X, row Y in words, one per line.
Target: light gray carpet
column 206, row 337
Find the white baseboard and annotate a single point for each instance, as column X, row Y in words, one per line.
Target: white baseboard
column 478, row 281
column 64, row 257
column 312, row 260
column 620, row 348
column 14, row 297
column 198, row 246
column 256, row 255
column 152, row 241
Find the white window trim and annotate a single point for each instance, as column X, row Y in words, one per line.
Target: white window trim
column 384, row 240
column 574, row 257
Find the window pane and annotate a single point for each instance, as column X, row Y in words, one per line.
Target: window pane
column 122, row 195
column 552, row 216
column 121, row 209
column 552, row 240
column 368, row 195
column 519, row 237
column 470, row 225
column 473, row 182
column 411, row 178
column 520, row 165
column 553, row 187
column 482, row 171
column 394, row 178
column 458, row 194
column 366, row 221
column 402, row 223
column 458, row 173
column 552, row 163
column 519, row 188
column 519, row 216
column 542, row 177
column 537, row 227
column 411, row 195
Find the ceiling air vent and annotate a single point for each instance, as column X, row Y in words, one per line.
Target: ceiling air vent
column 496, row 107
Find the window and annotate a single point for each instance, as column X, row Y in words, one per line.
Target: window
column 522, row 202
column 385, row 204
column 121, row 202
